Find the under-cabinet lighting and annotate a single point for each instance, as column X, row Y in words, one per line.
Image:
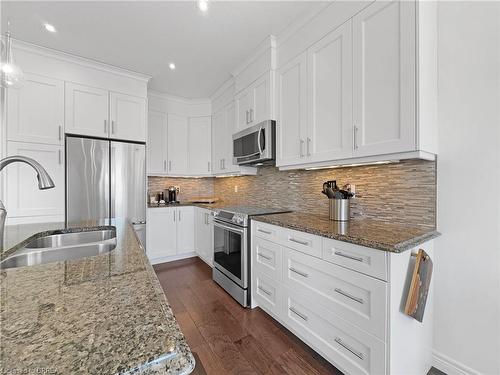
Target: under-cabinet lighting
column 353, row 165
column 49, row 27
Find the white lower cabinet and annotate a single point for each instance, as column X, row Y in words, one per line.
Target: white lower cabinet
column 204, row 235
column 169, row 233
column 24, row 201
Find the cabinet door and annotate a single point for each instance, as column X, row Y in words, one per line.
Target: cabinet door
column 157, row 143
column 291, row 113
column 35, row 112
column 199, row 150
column 384, row 78
column 86, row 110
column 177, row 145
column 161, row 232
column 243, row 103
column 227, row 160
column 185, row 230
column 329, row 72
column 23, row 198
column 203, row 237
column 261, row 108
column 128, row 117
column 219, row 139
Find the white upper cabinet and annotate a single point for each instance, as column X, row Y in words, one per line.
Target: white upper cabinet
column 35, row 112
column 199, row 145
column 24, row 199
column 291, row 112
column 157, row 143
column 384, row 78
column 127, row 117
column 177, row 145
column 219, row 147
column 244, row 104
column 329, row 64
column 254, row 103
column 86, row 110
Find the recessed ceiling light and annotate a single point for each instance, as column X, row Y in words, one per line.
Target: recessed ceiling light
column 203, row 5
column 171, row 66
column 49, row 27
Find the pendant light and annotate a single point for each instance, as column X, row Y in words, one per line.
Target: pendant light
column 11, row 74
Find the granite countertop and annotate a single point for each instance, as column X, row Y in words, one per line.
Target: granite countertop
column 211, row 206
column 104, row 314
column 371, row 233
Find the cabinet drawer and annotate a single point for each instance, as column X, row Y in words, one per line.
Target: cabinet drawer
column 267, row 293
column 362, row 259
column 350, row 349
column 303, row 242
column 267, row 258
column 357, row 298
column 266, row 231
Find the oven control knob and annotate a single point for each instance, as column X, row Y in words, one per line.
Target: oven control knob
column 238, row 220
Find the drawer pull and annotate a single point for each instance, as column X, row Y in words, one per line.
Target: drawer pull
column 345, row 294
column 264, row 231
column 303, row 274
column 340, row 254
column 264, row 256
column 339, row 341
column 305, row 243
column 265, row 291
column 302, row 316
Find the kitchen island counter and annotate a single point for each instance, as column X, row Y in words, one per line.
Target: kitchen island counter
column 104, row 314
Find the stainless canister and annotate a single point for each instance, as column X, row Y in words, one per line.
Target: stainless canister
column 340, row 209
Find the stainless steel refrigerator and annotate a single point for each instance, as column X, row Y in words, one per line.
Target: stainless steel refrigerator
column 105, row 179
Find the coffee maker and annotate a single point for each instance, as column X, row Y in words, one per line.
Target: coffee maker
column 172, row 193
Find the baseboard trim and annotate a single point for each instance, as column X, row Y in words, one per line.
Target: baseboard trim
column 173, row 258
column 450, row 366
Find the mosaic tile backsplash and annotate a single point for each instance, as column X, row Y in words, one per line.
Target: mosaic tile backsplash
column 402, row 192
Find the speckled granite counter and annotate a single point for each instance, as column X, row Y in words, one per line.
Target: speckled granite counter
column 366, row 232
column 105, row 314
column 210, row 206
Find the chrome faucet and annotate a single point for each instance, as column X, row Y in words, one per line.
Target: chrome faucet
column 44, row 182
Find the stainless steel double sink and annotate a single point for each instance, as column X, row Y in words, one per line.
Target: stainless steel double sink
column 60, row 247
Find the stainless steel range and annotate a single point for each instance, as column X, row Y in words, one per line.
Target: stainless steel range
column 232, row 249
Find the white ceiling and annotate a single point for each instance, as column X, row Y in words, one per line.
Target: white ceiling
column 147, row 36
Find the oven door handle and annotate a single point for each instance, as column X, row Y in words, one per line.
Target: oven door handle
column 230, row 228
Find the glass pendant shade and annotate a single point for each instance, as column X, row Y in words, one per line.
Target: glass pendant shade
column 11, row 74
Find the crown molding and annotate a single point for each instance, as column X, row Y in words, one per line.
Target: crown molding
column 178, row 99
column 222, row 88
column 269, row 42
column 74, row 59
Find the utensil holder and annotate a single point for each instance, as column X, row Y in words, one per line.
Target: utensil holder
column 339, row 209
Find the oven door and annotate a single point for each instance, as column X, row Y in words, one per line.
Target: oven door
column 230, row 251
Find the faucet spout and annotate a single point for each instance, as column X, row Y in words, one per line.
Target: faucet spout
column 44, row 182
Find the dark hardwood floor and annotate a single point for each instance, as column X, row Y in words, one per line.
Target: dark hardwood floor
column 226, row 338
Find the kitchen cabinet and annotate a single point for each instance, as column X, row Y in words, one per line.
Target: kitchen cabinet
column 127, row 117
column 204, row 235
column 222, row 141
column 157, row 143
column 35, row 112
column 169, row 233
column 86, row 110
column 177, row 145
column 24, row 201
column 199, row 146
column 384, row 78
column 254, row 103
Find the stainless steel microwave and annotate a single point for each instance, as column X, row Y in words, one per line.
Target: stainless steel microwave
column 256, row 144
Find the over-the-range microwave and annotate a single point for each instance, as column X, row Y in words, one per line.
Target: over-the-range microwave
column 256, row 144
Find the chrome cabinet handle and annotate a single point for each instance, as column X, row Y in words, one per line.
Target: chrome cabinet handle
column 206, row 218
column 265, row 291
column 113, row 127
column 339, row 341
column 300, row 315
column 208, row 166
column 60, row 132
column 341, row 254
column 345, row 294
column 174, row 215
column 308, row 146
column 223, row 163
column 264, row 256
column 251, row 115
column 170, row 165
column 105, row 127
column 301, row 273
column 355, row 135
column 164, row 165
column 60, row 157
column 179, row 215
column 305, row 243
column 301, row 148
column 246, row 116
column 264, row 231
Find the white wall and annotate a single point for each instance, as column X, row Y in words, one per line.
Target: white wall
column 467, row 272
